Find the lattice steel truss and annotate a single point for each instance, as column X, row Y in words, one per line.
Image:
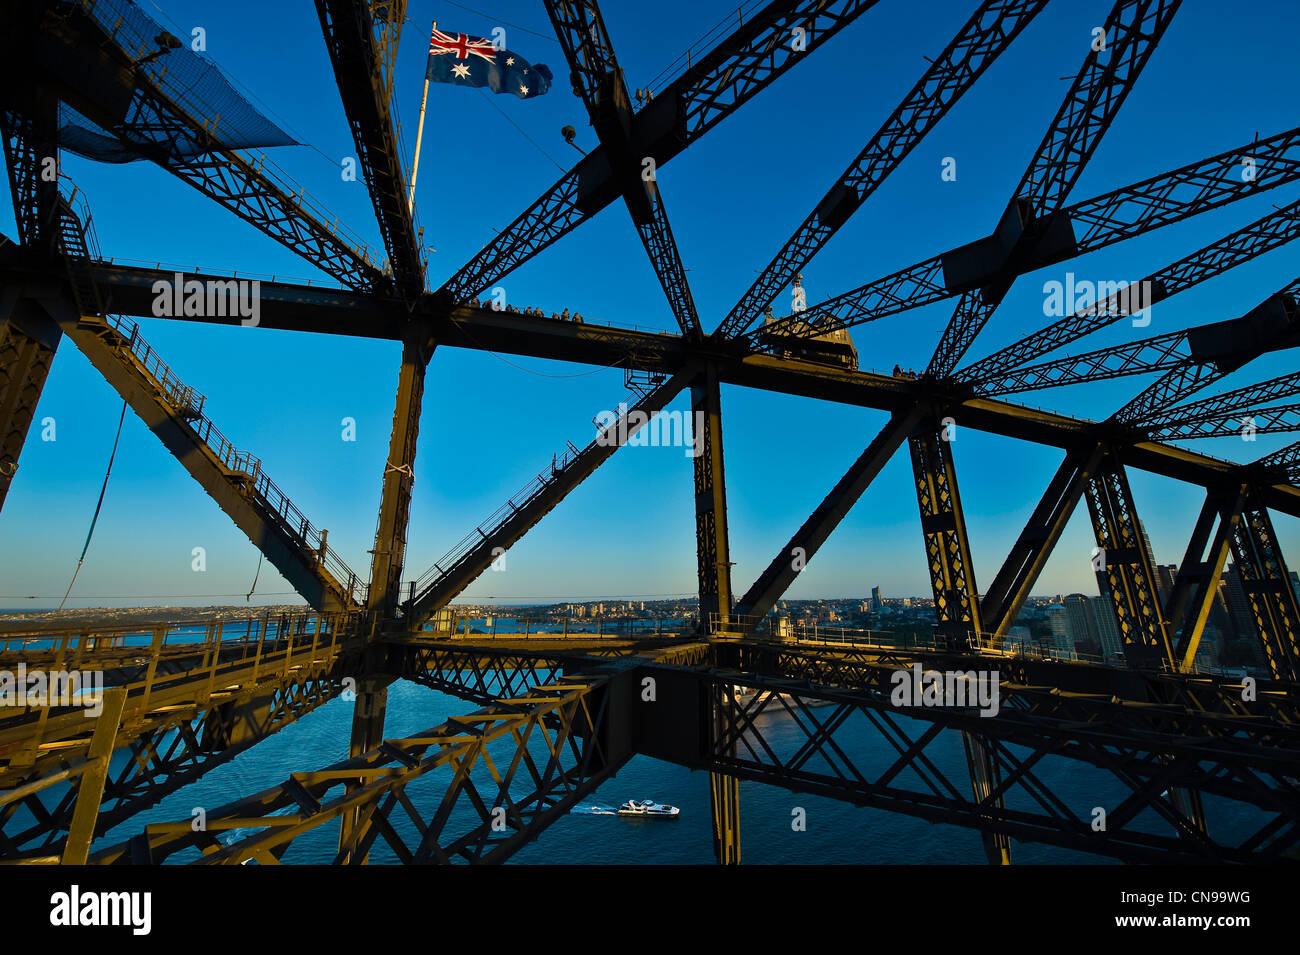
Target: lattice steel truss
column 1171, row 746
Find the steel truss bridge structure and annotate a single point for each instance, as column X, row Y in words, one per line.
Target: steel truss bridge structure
column 1180, row 750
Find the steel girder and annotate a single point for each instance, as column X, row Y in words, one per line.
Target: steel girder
column 25, row 361
column 943, row 527
column 1133, row 29
column 188, row 147
column 803, row 546
column 989, row 31
column 1024, row 750
column 1269, row 326
column 1229, row 402
column 1263, row 235
column 1258, row 558
column 480, row 676
column 712, row 547
column 1093, row 100
column 475, row 553
column 168, row 754
column 1277, row 419
column 1191, row 358
column 399, row 476
column 233, row 479
column 716, row 85
column 1095, row 223
column 347, row 313
column 1287, row 461
column 351, row 30
column 514, row 768
column 598, row 80
column 1125, row 568
column 1006, row 596
column 1188, row 604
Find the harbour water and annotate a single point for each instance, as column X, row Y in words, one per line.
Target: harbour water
column 835, row 833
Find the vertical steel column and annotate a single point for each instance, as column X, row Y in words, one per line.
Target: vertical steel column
column 1189, row 603
column 724, row 790
column 1126, row 571
column 985, row 778
column 399, row 476
column 30, row 140
column 712, row 552
column 713, row 562
column 367, row 733
column 1258, row 558
column 947, row 548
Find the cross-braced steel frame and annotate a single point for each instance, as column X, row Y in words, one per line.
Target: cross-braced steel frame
column 1171, row 745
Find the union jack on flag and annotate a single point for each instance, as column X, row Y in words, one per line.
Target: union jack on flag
column 473, row 61
column 462, row 45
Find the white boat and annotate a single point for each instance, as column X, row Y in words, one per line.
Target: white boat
column 646, row 808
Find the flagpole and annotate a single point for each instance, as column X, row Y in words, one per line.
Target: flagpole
column 419, row 137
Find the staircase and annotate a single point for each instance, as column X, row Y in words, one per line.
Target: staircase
column 174, row 411
column 461, row 565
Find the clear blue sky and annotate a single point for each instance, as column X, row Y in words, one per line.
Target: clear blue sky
column 491, row 422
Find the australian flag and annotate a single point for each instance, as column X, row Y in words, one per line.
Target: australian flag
column 474, row 61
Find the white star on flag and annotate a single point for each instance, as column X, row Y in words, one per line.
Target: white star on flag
column 510, row 61
column 523, row 89
column 460, row 70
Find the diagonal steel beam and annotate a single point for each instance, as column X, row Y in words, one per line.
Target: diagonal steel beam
column 1093, row 224
column 1271, row 324
column 1189, row 602
column 989, row 31
column 130, row 101
column 803, row 546
column 476, row 552
column 599, row 81
column 351, row 29
column 1092, row 102
column 1006, row 596
column 715, row 86
column 1105, row 307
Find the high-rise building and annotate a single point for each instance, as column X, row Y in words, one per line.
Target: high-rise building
column 1103, row 615
column 1057, row 620
column 1165, row 574
column 1146, row 539
column 1240, row 616
column 877, row 600
column 1080, row 626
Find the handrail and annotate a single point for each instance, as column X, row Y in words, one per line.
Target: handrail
column 189, row 404
column 459, row 551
